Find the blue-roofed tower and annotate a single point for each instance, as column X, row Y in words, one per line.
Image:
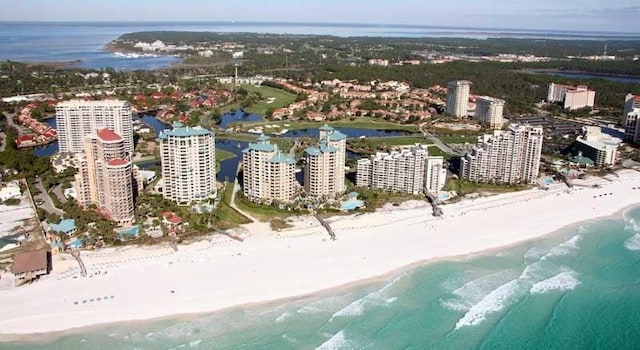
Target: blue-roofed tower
column 268, row 174
column 188, row 164
column 324, row 164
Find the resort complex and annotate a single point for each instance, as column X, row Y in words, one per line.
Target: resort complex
column 105, row 178
column 601, row 148
column 188, row 161
column 408, row 170
column 571, row 97
column 507, row 157
column 268, row 174
column 78, row 118
column 324, row 168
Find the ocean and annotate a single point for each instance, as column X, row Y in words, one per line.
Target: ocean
column 578, row 288
column 68, row 41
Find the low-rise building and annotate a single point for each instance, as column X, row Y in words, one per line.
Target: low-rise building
column 31, row 265
column 572, row 97
column 600, row 148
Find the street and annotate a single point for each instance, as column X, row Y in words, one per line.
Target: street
column 47, row 204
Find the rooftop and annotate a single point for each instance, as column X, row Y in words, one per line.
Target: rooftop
column 78, row 103
column 263, row 138
column 326, row 128
column 184, row 131
column 261, row 147
column 282, row 158
column 337, row 136
column 117, row 162
column 30, row 261
column 108, row 135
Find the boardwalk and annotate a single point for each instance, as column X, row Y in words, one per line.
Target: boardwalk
column 83, row 269
column 326, row 226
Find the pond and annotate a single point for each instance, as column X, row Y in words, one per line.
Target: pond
column 350, row 132
column 238, row 116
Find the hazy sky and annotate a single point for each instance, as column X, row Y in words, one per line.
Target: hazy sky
column 600, row 15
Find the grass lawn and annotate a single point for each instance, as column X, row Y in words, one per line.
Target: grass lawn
column 237, row 137
column 264, row 213
column 361, row 123
column 463, row 187
column 223, row 155
column 384, row 142
column 436, row 151
column 279, row 98
column 227, row 216
column 459, row 139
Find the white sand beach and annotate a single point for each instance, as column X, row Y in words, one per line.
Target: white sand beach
column 144, row 283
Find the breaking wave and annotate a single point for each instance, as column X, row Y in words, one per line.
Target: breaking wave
column 563, row 281
column 377, row 297
column 337, row 341
column 633, row 242
column 565, row 248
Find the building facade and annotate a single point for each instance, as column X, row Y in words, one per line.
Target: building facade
column 458, row 97
column 489, row 111
column 105, row 177
column 409, row 170
column 572, row 97
column 508, row 157
column 595, row 145
column 324, row 169
column 77, row 119
column 188, row 161
column 632, row 126
column 268, row 174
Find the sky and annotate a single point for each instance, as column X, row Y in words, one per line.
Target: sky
column 579, row 15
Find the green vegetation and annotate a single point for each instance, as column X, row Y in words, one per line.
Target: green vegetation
column 436, row 151
column 373, row 144
column 361, row 123
column 278, row 224
column 264, row 213
column 226, row 216
column 374, row 199
column 463, row 187
column 271, row 99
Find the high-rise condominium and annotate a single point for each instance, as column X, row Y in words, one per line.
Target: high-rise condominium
column 188, row 164
column 509, row 157
column 458, row 97
column 105, row 178
column 268, row 174
column 324, row 164
column 77, row 119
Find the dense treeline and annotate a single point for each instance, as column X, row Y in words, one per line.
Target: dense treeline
column 395, row 47
column 520, row 90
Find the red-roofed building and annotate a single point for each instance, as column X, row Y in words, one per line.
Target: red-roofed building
column 108, row 135
column 25, row 141
column 117, row 162
column 171, row 221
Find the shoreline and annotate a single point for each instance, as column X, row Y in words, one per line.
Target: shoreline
column 313, row 244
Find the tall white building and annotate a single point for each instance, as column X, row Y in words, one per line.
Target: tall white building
column 631, row 102
column 489, row 111
column 631, row 125
column 458, row 97
column 573, row 97
column 188, row 164
column 324, row 170
column 409, row 170
column 77, row 119
column 509, row 157
column 268, row 174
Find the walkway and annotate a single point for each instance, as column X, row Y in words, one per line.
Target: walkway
column 326, row 226
column 232, row 202
column 437, row 141
column 83, row 269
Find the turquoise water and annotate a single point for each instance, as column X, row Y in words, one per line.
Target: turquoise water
column 577, row 289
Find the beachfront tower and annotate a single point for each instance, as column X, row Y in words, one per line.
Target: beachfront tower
column 188, row 164
column 458, row 97
column 507, row 157
column 324, row 170
column 77, row 119
column 104, row 177
column 268, row 174
column 409, row 170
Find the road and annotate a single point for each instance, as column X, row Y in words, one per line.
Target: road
column 48, row 202
column 59, row 193
column 437, row 141
column 3, row 141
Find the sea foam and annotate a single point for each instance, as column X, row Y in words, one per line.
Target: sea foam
column 565, row 248
column 492, row 302
column 378, row 297
column 633, row 243
column 472, row 292
column 563, row 281
column 337, row 341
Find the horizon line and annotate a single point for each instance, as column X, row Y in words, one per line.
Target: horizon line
column 315, row 23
